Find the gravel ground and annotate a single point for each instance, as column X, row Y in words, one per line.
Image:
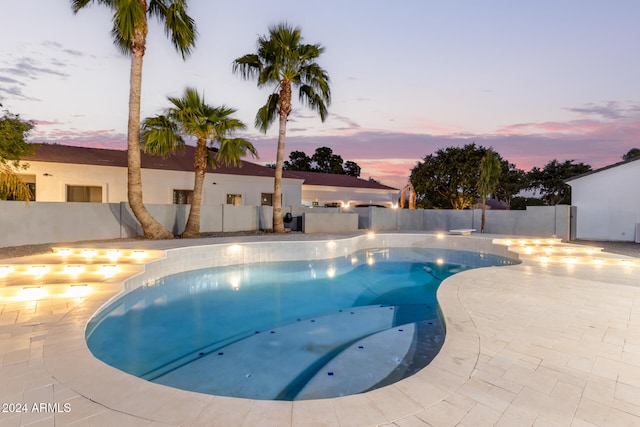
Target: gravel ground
column 622, row 248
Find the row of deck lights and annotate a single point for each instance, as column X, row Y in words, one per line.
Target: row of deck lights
column 549, row 251
column 31, row 293
column 78, row 290
column 112, row 254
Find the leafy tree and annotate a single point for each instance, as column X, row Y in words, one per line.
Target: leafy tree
column 191, row 116
column 298, row 161
column 282, row 61
column 129, row 33
column 490, row 170
column 327, row 162
column 449, row 178
column 13, row 146
column 351, row 168
column 323, row 160
column 521, row 203
column 512, row 181
column 549, row 181
column 631, row 154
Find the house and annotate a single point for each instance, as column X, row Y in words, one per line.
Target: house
column 324, row 189
column 62, row 173
column 608, row 202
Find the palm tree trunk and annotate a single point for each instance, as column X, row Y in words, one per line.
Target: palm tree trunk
column 278, row 223
column 152, row 229
column 284, row 108
column 483, row 200
column 192, row 228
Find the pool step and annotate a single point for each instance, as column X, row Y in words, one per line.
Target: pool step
column 278, row 363
column 554, row 251
column 362, row 365
column 69, row 272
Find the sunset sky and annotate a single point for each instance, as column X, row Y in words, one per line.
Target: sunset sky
column 534, row 80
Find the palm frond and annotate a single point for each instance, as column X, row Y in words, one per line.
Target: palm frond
column 267, row 113
column 76, row 5
column 309, row 97
column 129, row 18
column 161, row 136
column 178, row 25
column 231, row 151
column 247, row 66
column 11, row 186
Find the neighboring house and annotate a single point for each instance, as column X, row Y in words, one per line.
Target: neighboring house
column 62, row 173
column 608, row 202
column 324, row 189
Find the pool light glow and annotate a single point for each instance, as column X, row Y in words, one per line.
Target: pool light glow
column 38, row 270
column 109, row 270
column 31, row 293
column 113, row 254
column 5, row 269
column 73, row 269
column 89, row 253
column 139, row 254
column 78, row 291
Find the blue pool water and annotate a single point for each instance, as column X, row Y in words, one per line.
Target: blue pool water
column 288, row 331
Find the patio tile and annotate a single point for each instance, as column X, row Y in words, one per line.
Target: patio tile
column 393, row 403
column 225, row 412
column 410, row 421
column 318, row 413
column 442, row 414
column 480, row 415
column 269, row 414
column 357, row 410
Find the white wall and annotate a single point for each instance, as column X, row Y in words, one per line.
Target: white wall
column 539, row 221
column 608, row 203
column 157, row 185
column 347, row 195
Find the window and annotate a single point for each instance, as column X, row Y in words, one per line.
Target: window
column 266, row 199
column 182, row 197
column 234, row 199
column 84, row 193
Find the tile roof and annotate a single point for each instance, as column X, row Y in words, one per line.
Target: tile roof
column 183, row 161
column 318, row 178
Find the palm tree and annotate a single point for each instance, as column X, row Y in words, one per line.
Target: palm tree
column 130, row 35
column 282, row 62
column 191, row 116
column 490, row 170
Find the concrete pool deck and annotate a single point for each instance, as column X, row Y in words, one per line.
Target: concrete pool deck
column 552, row 341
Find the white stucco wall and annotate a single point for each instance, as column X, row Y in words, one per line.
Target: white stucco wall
column 608, row 203
column 157, row 185
column 347, row 195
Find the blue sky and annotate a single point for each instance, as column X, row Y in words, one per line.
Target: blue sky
column 535, row 80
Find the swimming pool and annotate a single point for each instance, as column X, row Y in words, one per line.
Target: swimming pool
column 295, row 330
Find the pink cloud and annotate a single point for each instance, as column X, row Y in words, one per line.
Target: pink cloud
column 390, row 156
column 97, row 139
